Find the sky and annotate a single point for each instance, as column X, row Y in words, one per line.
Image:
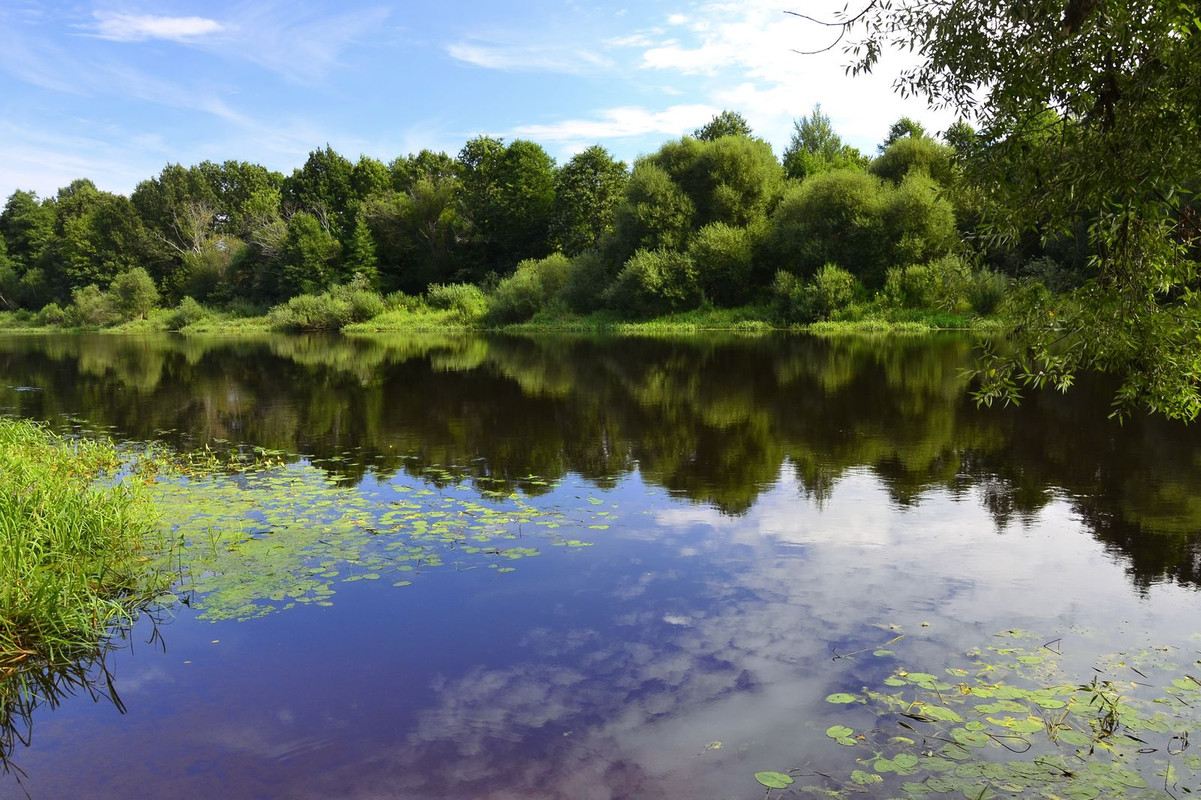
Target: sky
column 114, row 90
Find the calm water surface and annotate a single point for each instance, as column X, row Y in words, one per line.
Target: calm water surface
column 709, row 525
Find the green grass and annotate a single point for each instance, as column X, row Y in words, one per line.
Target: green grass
column 74, row 550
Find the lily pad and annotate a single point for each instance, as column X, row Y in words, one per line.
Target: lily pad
column 774, row 780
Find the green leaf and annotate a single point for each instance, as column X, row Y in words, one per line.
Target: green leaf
column 774, row 780
column 838, row 731
column 841, row 697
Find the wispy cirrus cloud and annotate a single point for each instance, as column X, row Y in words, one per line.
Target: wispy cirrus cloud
column 524, row 57
column 140, row 27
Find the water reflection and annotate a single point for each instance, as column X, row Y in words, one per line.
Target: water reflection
column 714, row 419
column 776, row 501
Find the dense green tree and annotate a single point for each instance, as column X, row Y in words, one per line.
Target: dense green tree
column 27, row 225
column 856, row 221
column 308, row 258
column 527, row 197
column 910, row 153
column 322, row 187
column 727, row 123
column 588, row 189
column 723, row 259
column 369, row 177
column 426, row 165
column 507, row 197
column 134, row 293
column 9, row 280
column 359, row 257
column 655, row 214
column 1122, row 77
column 816, row 147
column 415, row 232
column 902, row 128
column 734, row 179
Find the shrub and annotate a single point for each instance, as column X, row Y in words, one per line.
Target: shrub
column 186, row 313
column 311, row 312
column 466, row 300
column 832, row 289
column 133, row 293
column 399, row 301
column 655, row 282
column 587, row 279
column 524, row 293
column 722, row 255
column 52, row 314
column 363, row 302
column 92, row 308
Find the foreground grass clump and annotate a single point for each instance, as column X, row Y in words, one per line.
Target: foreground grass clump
column 73, row 560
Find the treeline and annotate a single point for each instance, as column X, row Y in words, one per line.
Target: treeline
column 500, row 232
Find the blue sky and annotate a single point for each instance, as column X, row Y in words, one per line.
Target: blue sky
column 115, row 90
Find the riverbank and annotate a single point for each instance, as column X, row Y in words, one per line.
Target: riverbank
column 744, row 319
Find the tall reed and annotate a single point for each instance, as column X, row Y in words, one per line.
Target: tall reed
column 75, row 549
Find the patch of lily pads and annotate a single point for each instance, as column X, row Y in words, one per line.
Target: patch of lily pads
column 259, row 535
column 1009, row 719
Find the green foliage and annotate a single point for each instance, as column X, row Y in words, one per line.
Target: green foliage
column 507, row 197
column 72, row 563
column 1093, row 118
column 835, row 217
column 1009, row 717
column 331, row 310
column 465, row 300
column 27, row 225
column 322, row 187
column 656, row 213
column 654, row 282
column 588, row 190
column 815, row 147
column 727, row 123
column 734, row 179
column 947, row 284
column 854, row 220
column 796, row 301
column 52, row 314
column 525, row 292
column 912, row 153
column 919, row 224
column 309, row 254
column 133, row 293
column 722, row 258
column 92, row 308
column 904, row 127
column 188, row 312
column 587, row 280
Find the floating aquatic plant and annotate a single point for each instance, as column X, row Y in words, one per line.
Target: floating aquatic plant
column 1009, row 720
column 256, row 540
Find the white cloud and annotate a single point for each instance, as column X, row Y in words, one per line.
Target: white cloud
column 139, row 27
column 623, row 122
column 526, row 57
column 746, row 57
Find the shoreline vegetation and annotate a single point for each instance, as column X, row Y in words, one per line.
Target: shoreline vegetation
column 79, row 553
column 713, row 231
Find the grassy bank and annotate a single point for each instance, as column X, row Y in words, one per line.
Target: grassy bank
column 73, row 552
column 744, row 319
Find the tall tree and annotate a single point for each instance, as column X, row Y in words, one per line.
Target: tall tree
column 1121, row 80
column 816, row 147
column 727, row 123
column 587, row 191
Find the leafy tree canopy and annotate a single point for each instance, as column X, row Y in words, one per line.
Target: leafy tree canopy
column 727, row 123
column 1088, row 113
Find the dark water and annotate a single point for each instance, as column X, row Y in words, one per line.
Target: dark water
column 768, row 504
